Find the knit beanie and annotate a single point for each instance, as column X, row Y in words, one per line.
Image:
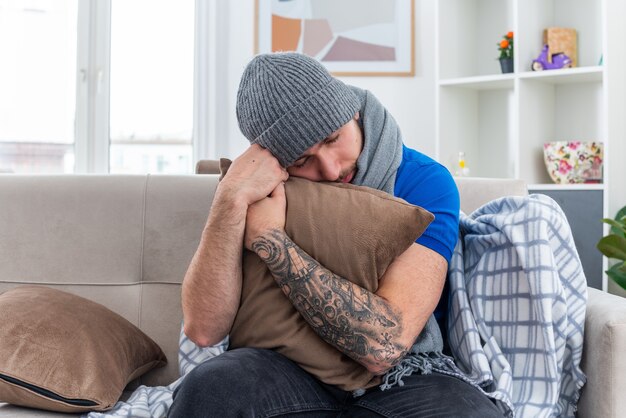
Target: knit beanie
column 287, row 102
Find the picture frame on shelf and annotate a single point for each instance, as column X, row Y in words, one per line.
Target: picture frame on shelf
column 349, row 38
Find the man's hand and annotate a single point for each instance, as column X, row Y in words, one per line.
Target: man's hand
column 253, row 175
column 266, row 215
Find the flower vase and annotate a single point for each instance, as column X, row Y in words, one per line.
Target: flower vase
column 506, row 64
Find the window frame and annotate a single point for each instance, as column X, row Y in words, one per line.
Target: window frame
column 92, row 129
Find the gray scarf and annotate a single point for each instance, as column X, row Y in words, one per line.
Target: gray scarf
column 382, row 144
column 377, row 167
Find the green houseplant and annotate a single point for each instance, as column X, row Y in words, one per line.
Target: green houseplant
column 505, row 47
column 614, row 246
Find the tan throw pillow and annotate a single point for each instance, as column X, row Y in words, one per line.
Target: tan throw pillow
column 64, row 353
column 354, row 231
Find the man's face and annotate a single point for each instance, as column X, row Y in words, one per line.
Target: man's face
column 334, row 158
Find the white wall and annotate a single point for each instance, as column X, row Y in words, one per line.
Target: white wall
column 409, row 99
column 615, row 157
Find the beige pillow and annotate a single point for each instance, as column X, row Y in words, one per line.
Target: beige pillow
column 354, row 231
column 64, row 353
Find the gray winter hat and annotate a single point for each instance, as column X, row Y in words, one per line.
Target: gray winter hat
column 288, row 102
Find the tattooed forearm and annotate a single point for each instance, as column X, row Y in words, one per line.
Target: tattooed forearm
column 354, row 320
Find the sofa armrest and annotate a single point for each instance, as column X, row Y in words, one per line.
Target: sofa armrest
column 208, row 167
column 604, row 356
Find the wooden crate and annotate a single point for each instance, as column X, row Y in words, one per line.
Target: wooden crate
column 561, row 40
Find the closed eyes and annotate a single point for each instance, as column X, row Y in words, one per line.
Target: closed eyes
column 332, row 140
column 301, row 162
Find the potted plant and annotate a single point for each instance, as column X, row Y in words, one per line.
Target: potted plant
column 506, row 53
column 614, row 246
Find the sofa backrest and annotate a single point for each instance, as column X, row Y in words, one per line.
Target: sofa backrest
column 476, row 191
column 122, row 241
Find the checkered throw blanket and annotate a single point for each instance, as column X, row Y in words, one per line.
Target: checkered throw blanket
column 517, row 306
column 517, row 312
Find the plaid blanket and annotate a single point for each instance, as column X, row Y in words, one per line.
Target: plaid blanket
column 517, row 312
column 517, row 306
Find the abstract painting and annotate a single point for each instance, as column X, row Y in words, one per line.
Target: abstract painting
column 350, row 37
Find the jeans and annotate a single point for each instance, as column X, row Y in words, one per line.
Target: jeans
column 250, row 382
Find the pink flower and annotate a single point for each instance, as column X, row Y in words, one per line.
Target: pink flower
column 564, row 167
column 574, row 144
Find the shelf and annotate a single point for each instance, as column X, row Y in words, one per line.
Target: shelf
column 566, row 75
column 507, row 81
column 581, row 186
column 484, row 82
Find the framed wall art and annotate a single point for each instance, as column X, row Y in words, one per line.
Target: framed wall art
column 350, row 37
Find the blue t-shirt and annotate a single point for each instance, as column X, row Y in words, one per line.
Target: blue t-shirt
column 424, row 182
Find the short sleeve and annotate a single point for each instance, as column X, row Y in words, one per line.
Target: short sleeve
column 424, row 182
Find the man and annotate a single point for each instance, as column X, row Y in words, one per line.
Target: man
column 303, row 122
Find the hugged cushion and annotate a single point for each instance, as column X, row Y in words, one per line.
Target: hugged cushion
column 355, row 232
column 64, row 353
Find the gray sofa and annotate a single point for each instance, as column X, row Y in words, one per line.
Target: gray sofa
column 126, row 242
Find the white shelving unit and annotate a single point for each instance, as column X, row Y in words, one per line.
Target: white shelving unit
column 501, row 121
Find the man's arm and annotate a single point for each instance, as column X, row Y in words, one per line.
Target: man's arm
column 212, row 286
column 375, row 329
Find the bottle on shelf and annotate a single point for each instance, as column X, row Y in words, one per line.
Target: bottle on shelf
column 462, row 170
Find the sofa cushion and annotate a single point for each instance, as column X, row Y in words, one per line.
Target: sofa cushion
column 354, row 231
column 64, row 353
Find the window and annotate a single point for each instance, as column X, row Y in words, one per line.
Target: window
column 38, row 83
column 151, row 86
column 104, row 86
